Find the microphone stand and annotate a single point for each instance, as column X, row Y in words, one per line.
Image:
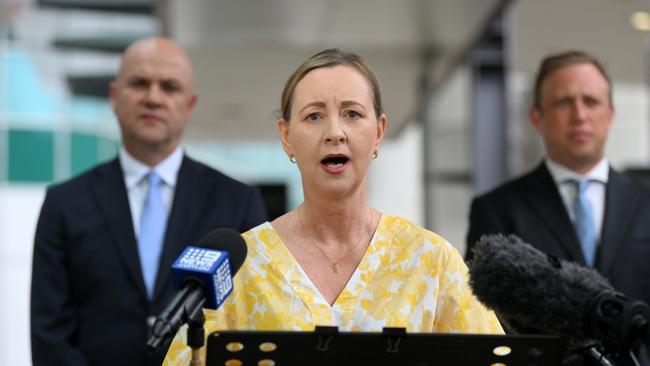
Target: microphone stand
column 196, row 333
column 621, row 323
column 597, row 356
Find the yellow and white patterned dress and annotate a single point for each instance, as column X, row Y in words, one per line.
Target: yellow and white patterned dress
column 409, row 277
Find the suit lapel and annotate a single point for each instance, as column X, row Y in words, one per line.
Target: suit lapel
column 620, row 206
column 110, row 192
column 190, row 196
column 546, row 202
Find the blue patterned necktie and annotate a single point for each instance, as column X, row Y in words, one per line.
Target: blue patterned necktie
column 152, row 231
column 584, row 221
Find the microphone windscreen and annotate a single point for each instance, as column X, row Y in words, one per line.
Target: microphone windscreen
column 227, row 240
column 531, row 289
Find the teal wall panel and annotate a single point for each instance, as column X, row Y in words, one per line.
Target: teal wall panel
column 31, row 156
column 83, row 152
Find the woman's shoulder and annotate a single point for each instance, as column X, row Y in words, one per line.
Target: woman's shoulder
column 257, row 231
column 403, row 229
column 261, row 236
column 420, row 248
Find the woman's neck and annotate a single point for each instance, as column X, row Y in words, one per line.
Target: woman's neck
column 332, row 221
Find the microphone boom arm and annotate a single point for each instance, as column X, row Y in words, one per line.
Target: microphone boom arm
column 188, row 301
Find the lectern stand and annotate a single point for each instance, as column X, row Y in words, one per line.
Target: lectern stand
column 393, row 346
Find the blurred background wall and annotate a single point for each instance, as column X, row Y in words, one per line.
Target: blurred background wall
column 456, row 77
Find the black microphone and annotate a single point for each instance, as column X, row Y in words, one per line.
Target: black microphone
column 203, row 276
column 531, row 289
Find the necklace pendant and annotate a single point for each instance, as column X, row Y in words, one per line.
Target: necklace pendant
column 334, row 268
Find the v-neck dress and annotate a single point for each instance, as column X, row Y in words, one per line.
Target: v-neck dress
column 409, row 277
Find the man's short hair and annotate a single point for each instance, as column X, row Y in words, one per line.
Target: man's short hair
column 559, row 60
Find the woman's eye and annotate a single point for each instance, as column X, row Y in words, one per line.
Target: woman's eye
column 352, row 114
column 313, row 116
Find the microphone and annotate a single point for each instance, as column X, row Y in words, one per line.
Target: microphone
column 203, row 276
column 531, row 289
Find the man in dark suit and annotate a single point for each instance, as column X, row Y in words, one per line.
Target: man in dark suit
column 105, row 240
column 603, row 222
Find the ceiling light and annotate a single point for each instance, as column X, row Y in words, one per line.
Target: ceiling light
column 640, row 20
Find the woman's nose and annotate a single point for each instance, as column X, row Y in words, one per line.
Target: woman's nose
column 335, row 133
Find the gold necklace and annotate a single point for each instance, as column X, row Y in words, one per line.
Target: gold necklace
column 313, row 242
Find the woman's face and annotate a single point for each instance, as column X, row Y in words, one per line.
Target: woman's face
column 333, row 130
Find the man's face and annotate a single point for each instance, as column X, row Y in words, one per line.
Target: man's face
column 153, row 97
column 574, row 116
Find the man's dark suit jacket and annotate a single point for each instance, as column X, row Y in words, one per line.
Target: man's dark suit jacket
column 88, row 299
column 531, row 207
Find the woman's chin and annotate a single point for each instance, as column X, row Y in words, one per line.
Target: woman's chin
column 339, row 188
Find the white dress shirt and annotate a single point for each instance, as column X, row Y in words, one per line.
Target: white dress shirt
column 598, row 177
column 135, row 173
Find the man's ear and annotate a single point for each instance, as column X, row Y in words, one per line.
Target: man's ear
column 536, row 118
column 191, row 103
column 612, row 114
column 112, row 91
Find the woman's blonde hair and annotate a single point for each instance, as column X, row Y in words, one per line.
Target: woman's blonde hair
column 329, row 58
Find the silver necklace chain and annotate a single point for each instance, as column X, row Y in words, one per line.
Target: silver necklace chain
column 313, row 242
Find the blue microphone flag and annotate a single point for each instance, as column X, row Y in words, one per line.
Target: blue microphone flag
column 208, row 266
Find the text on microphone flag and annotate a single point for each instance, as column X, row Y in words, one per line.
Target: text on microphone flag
column 223, row 281
column 198, row 259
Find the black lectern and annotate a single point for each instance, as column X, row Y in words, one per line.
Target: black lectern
column 393, row 346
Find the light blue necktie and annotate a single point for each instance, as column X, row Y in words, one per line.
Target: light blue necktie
column 584, row 221
column 152, row 231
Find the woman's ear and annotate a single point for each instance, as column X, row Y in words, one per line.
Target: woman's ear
column 381, row 129
column 283, row 129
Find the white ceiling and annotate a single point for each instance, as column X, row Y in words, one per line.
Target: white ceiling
column 601, row 27
column 244, row 50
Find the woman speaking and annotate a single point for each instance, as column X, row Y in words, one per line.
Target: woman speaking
column 335, row 260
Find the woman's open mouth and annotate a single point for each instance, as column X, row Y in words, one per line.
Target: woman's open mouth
column 334, row 164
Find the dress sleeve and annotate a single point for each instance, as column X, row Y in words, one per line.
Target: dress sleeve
column 459, row 311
